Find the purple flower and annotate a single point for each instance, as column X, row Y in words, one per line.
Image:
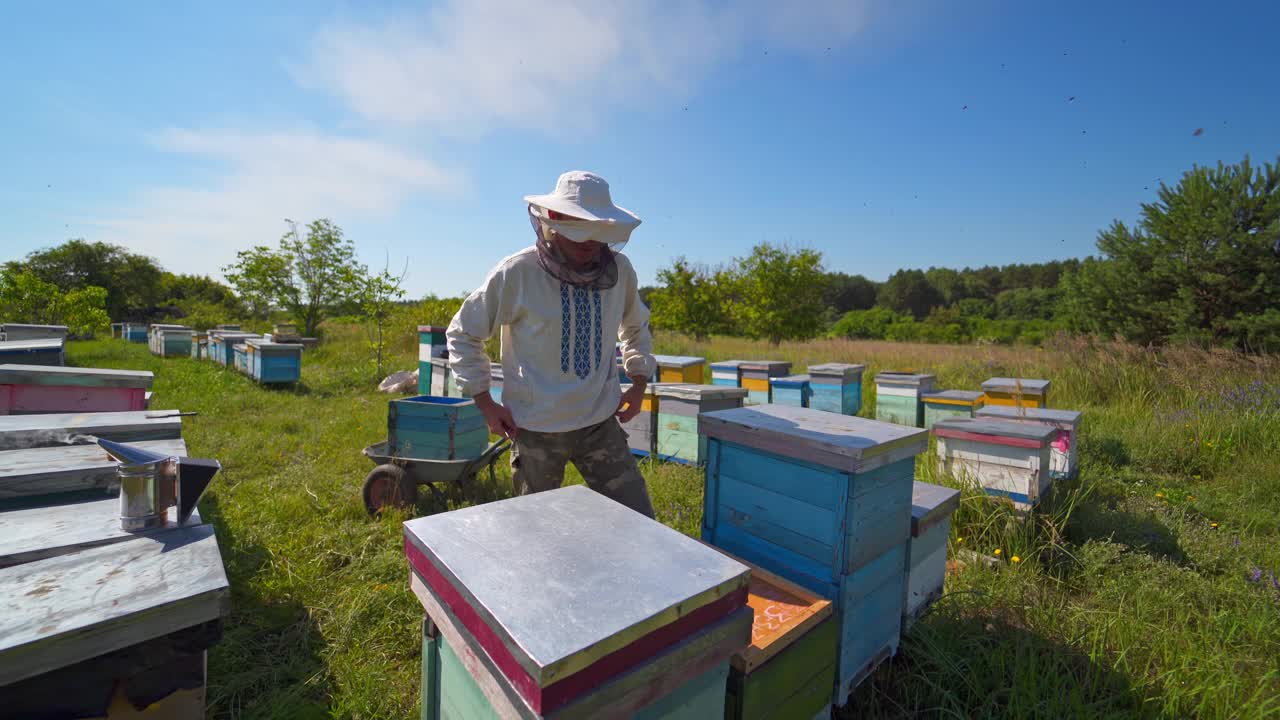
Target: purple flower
column 1275, row 582
column 1257, row 574
column 1236, row 542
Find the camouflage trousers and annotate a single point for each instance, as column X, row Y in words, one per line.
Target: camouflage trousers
column 599, row 452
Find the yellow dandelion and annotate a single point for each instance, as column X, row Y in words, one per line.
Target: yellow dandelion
column 1213, row 525
column 1159, row 494
column 1191, row 497
column 1016, row 559
column 959, row 540
column 997, row 552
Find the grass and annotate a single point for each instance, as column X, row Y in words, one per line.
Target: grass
column 1146, row 588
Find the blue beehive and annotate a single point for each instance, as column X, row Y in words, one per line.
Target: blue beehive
column 836, row 387
column 727, row 373
column 273, row 362
column 823, row 500
column 791, row 390
column 436, row 428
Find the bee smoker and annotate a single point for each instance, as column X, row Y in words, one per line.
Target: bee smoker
column 151, row 483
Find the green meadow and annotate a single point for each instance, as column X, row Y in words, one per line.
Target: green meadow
column 1146, row 588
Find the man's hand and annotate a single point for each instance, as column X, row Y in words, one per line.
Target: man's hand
column 496, row 416
column 629, row 407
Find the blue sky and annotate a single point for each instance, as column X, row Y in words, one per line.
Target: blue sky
column 886, row 135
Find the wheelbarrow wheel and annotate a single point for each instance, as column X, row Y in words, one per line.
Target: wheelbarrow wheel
column 388, row 485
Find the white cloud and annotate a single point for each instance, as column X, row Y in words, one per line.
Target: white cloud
column 270, row 176
column 470, row 65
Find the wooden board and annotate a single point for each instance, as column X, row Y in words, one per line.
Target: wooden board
column 696, row 392
column 66, row 468
column 795, row 684
column 62, row 610
column 33, row 431
column 953, row 397
column 931, row 504
column 13, row 374
column 36, row 533
column 842, row 442
column 998, row 432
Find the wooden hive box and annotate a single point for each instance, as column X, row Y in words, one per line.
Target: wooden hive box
column 1063, row 462
column 117, row 331
column 823, row 500
column 1024, row 392
column 1006, row 459
column 836, row 387
column 495, row 382
column 134, row 332
column 931, row 509
column 222, row 348
column 32, row 352
column 199, row 345
column 436, row 428
column 23, row 331
column 945, row 404
column 240, row 355
column 432, row 344
column 438, row 380
column 655, row 615
column 28, row 389
column 81, row 470
column 285, row 332
column 19, row 432
column 791, row 390
column 680, row 369
column 756, row 376
column 172, row 341
column 642, row 430
column 898, row 397
column 153, row 336
column 727, row 373
column 789, row 668
column 677, row 436
column 273, row 362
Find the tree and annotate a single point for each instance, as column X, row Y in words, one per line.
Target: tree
column 909, row 291
column 28, row 298
column 1202, row 264
column 849, row 292
column 779, row 292
column 378, row 296
column 308, row 277
column 867, row 324
column 132, row 282
column 691, row 299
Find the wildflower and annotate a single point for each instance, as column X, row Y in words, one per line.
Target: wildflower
column 1275, row 581
column 1235, row 542
column 959, row 540
column 1191, row 497
column 1257, row 574
column 1159, row 494
column 997, row 553
column 1213, row 525
column 1015, row 559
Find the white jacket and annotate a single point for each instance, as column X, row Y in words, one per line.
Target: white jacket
column 558, row 356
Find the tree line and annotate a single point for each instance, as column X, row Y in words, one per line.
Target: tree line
column 1201, row 265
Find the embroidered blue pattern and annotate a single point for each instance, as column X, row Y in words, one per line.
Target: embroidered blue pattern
column 565, row 321
column 599, row 323
column 581, row 334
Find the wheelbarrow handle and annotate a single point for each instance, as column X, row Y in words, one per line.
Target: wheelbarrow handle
column 490, row 454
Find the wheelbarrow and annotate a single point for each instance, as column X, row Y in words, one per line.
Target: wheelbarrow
column 396, row 478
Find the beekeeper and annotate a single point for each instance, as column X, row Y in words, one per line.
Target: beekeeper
column 559, row 305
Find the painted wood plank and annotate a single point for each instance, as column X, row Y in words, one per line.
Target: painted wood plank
column 926, row 570
column 841, row 442
column 793, row 566
column 931, row 504
column 430, row 692
column 15, row 374
column 622, row 695
column 814, row 484
column 33, row 431
column 797, row 526
column 798, row 683
column 996, row 431
column 65, row 609
column 36, row 533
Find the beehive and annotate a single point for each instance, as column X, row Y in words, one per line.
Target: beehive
column 756, row 376
column 836, row 387
column 222, row 344
column 1007, row 459
column 898, row 397
column 678, row 439
column 680, row 369
column 273, row 362
column 240, row 357
column 32, row 352
column 432, row 344
column 823, row 500
column 437, row 377
column 945, row 404
column 117, row 331
column 642, row 430
column 1062, row 454
column 24, row 331
column 436, row 428
column 727, row 373
column 170, row 340
column 791, row 390
column 134, row 332
column 1024, row 392
column 28, row 389
column 789, row 668
column 655, row 616
column 931, row 509
column 199, row 345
